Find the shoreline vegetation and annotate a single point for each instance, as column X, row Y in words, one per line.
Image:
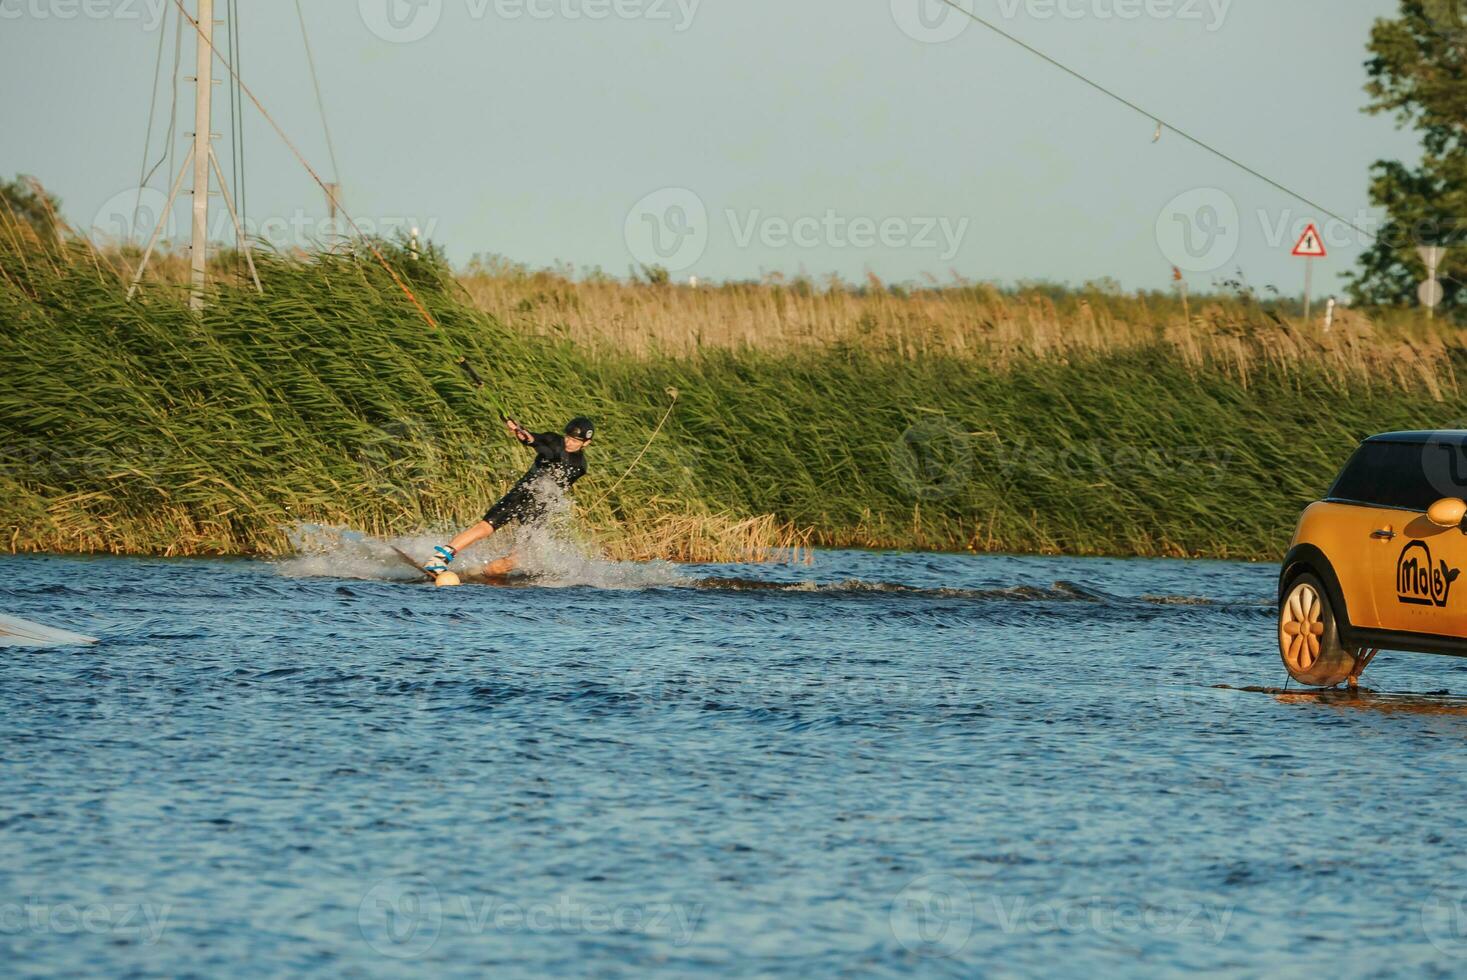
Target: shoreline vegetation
column 943, row 416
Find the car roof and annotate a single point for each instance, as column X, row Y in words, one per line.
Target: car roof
column 1422, row 436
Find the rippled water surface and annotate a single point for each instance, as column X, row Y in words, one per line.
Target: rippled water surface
column 891, row 764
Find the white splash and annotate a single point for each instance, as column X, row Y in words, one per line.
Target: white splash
column 557, row 559
column 548, row 553
column 553, row 553
column 339, row 552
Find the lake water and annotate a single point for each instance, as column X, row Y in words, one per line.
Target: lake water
column 890, row 764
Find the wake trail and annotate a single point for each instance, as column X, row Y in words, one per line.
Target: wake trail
column 544, row 558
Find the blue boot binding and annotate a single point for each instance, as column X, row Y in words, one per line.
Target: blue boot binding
column 443, row 557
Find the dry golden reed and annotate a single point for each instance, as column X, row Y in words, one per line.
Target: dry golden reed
column 1235, row 332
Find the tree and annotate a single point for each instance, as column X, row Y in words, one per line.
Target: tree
column 1418, row 72
column 24, row 199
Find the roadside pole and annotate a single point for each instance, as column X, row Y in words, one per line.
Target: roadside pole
column 1309, row 247
column 1430, row 291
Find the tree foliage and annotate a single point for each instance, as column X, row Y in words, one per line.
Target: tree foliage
column 24, row 198
column 1418, row 73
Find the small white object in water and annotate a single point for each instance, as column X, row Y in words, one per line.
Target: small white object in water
column 16, row 632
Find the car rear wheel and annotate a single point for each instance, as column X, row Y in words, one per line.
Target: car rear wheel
column 1309, row 639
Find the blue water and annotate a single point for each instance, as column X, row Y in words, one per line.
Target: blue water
column 258, row 773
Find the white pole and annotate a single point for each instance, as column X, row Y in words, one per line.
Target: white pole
column 203, row 92
column 1308, row 284
column 1433, row 256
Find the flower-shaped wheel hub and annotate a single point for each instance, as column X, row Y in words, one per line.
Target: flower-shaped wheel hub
column 1301, row 625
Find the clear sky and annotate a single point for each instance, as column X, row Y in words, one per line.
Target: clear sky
column 731, row 138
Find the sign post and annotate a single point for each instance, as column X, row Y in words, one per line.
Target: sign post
column 1309, row 247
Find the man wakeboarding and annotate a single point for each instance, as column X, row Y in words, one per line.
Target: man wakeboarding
column 559, row 461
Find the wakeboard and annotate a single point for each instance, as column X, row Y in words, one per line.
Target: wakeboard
column 17, row 632
column 410, row 560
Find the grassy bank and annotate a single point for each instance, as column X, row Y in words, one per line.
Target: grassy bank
column 140, row 427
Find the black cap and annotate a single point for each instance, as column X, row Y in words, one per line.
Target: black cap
column 580, row 427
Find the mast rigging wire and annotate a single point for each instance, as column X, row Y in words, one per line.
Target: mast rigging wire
column 148, row 133
column 320, row 102
column 301, row 159
column 422, row 310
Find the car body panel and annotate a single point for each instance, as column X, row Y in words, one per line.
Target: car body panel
column 1416, row 580
column 1342, row 532
column 1395, row 578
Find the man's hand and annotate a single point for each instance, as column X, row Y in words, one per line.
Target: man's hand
column 517, row 430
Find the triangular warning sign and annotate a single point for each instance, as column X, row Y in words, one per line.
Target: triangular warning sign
column 1310, row 245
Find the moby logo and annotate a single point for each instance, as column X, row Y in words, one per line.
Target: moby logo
column 1418, row 582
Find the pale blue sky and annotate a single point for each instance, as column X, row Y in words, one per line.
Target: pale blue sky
column 533, row 128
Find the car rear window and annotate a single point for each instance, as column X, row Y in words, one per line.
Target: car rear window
column 1403, row 474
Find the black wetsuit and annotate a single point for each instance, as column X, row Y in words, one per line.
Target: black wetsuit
column 553, row 464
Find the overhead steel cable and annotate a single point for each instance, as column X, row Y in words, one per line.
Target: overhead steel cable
column 1197, row 141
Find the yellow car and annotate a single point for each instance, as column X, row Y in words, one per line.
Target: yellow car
column 1375, row 565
